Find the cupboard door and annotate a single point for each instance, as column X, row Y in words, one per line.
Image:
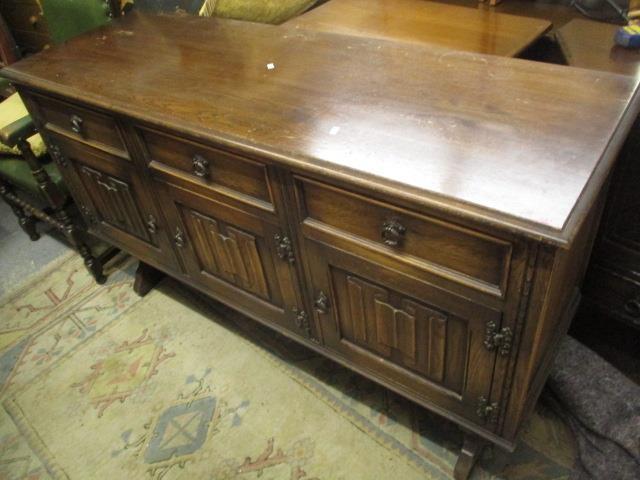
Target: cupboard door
column 242, row 259
column 405, row 331
column 113, row 201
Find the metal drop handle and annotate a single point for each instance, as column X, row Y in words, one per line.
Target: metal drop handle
column 179, row 238
column 76, row 124
column 200, row 166
column 321, row 304
column 393, row 232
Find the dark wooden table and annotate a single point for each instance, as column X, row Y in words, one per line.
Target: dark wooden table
column 613, row 278
column 460, row 28
column 589, row 44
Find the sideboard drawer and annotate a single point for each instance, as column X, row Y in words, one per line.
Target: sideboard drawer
column 79, row 123
column 469, row 257
column 229, row 174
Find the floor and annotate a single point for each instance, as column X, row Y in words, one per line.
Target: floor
column 19, row 257
column 96, row 382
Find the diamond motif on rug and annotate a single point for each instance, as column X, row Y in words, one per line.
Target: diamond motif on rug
column 119, row 375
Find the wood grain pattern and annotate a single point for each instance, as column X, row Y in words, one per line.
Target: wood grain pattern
column 403, row 331
column 94, row 129
column 233, row 256
column 114, row 201
column 402, row 111
column 428, row 242
column 420, row 21
column 231, row 174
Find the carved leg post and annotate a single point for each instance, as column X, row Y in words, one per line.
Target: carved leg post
column 471, row 449
column 147, row 277
column 57, row 202
column 93, row 264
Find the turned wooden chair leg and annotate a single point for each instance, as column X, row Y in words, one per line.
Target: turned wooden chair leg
column 26, row 221
column 147, row 277
column 471, row 449
column 57, row 201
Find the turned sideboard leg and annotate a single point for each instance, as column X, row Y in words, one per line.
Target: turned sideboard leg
column 146, row 278
column 471, row 449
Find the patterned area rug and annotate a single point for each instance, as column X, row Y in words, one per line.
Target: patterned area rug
column 96, row 383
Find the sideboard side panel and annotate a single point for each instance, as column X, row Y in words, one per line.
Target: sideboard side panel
column 554, row 298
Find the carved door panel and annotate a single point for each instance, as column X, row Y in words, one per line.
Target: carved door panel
column 239, row 257
column 405, row 331
column 113, row 201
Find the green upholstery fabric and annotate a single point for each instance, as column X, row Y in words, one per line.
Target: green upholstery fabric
column 17, row 172
column 265, row 11
column 68, row 18
column 12, row 109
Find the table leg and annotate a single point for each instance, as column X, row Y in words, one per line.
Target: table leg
column 471, row 449
column 146, row 278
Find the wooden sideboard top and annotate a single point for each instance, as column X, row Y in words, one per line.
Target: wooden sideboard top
column 517, row 144
column 461, row 28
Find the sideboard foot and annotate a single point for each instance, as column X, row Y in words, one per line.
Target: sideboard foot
column 147, row 277
column 471, row 449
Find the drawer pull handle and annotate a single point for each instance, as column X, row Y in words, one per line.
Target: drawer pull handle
column 200, row 166
column 152, row 225
column 393, row 232
column 284, row 248
column 179, row 238
column 322, row 303
column 76, row 124
column 632, row 307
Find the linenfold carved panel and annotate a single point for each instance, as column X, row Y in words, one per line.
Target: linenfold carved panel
column 230, row 254
column 113, row 198
column 401, row 329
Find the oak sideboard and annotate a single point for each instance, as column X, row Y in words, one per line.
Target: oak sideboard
column 421, row 215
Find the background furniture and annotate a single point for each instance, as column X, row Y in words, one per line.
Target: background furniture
column 459, row 28
column 25, row 168
column 434, row 243
column 36, row 24
column 264, row 11
column 613, row 280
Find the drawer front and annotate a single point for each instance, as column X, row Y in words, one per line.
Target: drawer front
column 463, row 255
column 79, row 123
column 235, row 255
column 114, row 201
column 618, row 294
column 229, row 174
column 405, row 331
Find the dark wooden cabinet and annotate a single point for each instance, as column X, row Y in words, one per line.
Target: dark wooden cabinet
column 428, row 235
column 613, row 279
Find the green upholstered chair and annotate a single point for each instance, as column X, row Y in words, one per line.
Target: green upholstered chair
column 29, row 181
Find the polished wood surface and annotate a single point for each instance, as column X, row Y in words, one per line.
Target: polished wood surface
column 421, row 21
column 393, row 114
column 589, row 44
column 302, row 193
